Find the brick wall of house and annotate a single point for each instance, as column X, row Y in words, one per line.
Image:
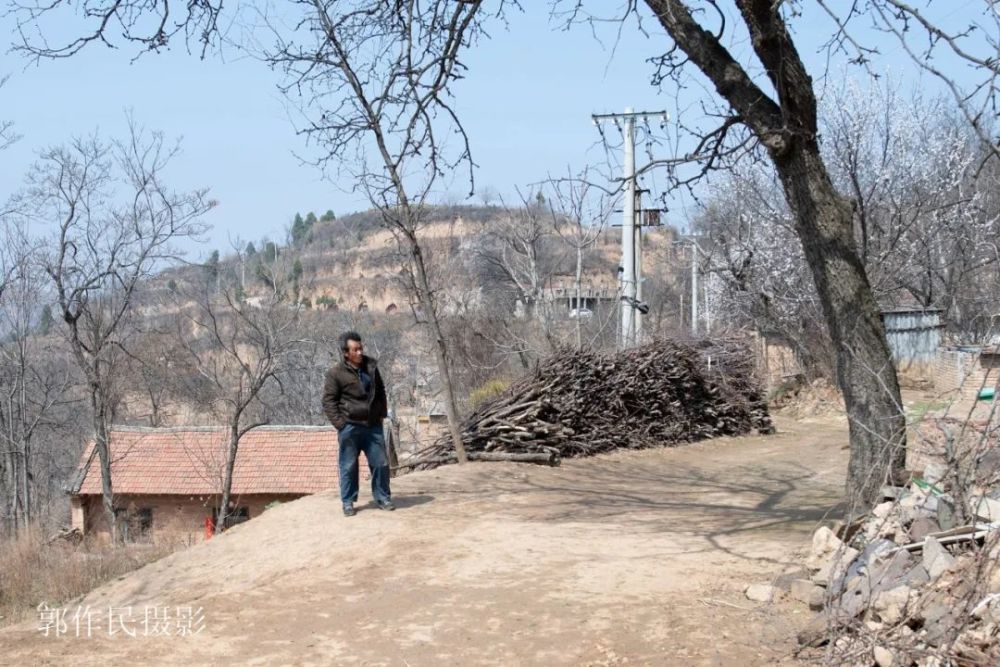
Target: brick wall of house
column 965, row 372
column 175, row 518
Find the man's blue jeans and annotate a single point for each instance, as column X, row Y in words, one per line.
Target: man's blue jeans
column 353, row 439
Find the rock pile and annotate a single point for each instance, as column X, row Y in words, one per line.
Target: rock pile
column 915, row 583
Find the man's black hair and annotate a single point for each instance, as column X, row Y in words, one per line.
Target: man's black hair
column 346, row 336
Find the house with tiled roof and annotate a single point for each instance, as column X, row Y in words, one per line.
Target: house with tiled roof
column 168, row 481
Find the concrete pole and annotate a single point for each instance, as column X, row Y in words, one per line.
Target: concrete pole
column 628, row 234
column 708, row 303
column 638, row 269
column 638, row 284
column 694, row 288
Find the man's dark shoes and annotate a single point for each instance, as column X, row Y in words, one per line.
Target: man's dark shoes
column 386, row 505
column 349, row 510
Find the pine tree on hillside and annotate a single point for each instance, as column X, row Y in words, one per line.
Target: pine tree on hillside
column 212, row 266
column 46, row 320
column 300, row 227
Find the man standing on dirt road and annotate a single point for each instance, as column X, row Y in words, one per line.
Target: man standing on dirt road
column 354, row 402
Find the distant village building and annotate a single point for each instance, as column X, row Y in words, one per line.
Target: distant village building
column 914, row 336
column 256, row 301
column 168, row 481
column 592, row 299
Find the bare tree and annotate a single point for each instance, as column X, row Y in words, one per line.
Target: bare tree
column 237, row 349
column 925, row 208
column 764, row 274
column 768, row 100
column 7, row 137
column 292, row 397
column 159, row 376
column 372, row 80
column 30, row 388
column 936, row 47
column 115, row 222
column 371, row 77
column 923, row 220
column 7, row 134
column 514, row 259
column 579, row 211
column 785, row 125
column 514, row 249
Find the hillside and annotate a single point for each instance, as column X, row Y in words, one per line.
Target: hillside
column 636, row 558
column 349, row 273
column 353, row 263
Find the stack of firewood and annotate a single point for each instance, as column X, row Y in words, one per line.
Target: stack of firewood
column 582, row 403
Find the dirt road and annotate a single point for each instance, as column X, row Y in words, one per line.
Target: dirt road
column 633, row 558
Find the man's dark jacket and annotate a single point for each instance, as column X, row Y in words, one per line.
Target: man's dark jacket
column 344, row 398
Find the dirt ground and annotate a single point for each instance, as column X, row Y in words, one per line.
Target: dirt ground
column 632, row 558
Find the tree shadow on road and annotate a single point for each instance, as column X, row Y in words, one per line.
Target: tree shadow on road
column 718, row 508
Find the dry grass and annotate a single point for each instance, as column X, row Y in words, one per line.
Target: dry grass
column 815, row 399
column 490, row 389
column 33, row 570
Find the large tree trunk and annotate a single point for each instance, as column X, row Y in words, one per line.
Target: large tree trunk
column 787, row 128
column 865, row 370
column 10, row 492
column 102, row 443
column 227, row 476
column 25, row 480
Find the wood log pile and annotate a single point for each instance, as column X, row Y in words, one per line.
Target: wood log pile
column 582, row 403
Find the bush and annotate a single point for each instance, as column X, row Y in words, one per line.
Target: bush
column 490, row 389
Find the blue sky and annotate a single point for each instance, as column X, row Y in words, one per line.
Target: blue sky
column 526, row 104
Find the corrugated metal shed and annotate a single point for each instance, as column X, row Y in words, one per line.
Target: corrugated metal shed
column 914, row 335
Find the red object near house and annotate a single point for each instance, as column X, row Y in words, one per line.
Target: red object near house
column 209, row 528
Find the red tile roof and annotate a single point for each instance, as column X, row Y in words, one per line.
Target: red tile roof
column 271, row 459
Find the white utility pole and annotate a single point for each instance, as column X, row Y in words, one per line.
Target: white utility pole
column 707, row 289
column 630, row 278
column 639, row 316
column 692, row 241
column 628, row 281
column 694, row 288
